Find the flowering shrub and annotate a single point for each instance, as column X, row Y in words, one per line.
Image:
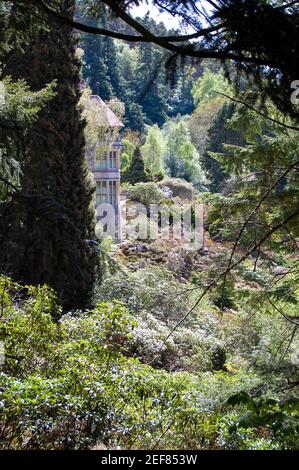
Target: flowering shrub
column 69, row 383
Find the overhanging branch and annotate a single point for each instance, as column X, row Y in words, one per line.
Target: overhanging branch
column 126, row 37
column 146, row 36
column 293, row 128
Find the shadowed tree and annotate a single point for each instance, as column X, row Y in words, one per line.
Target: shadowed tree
column 51, row 220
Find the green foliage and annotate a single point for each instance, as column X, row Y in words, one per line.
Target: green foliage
column 135, row 172
column 261, row 164
column 99, row 57
column 135, row 74
column 223, row 296
column 219, row 135
column 153, row 151
column 181, row 157
column 206, row 87
column 201, row 121
column 19, row 110
column 48, row 378
column 75, row 382
column 69, row 384
column 264, row 28
column 13, row 35
column 148, row 365
column 127, row 155
column 21, row 105
column 51, row 221
column 154, row 296
column 17, row 28
column 146, row 193
column 281, row 417
column 179, row 187
column 209, row 125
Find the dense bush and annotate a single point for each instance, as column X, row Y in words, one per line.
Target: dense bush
column 72, row 383
column 179, row 187
column 68, row 383
column 146, row 193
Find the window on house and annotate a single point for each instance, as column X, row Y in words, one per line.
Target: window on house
column 101, row 192
column 112, row 159
column 112, row 193
column 101, row 162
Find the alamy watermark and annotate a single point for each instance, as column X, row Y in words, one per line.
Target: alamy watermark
column 295, row 94
column 156, row 221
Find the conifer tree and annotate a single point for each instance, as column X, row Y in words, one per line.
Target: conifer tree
column 52, row 218
column 96, row 71
column 136, row 172
column 219, row 135
column 111, row 62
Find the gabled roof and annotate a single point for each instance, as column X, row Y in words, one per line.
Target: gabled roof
column 112, row 119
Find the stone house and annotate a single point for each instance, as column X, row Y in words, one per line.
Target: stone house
column 105, row 167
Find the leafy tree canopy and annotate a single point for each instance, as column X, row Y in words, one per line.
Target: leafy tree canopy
column 206, row 87
column 253, row 35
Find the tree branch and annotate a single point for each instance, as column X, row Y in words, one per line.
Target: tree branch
column 126, row 37
column 226, row 271
column 184, row 50
column 293, row 128
column 287, row 317
column 8, row 183
column 254, row 211
column 147, row 36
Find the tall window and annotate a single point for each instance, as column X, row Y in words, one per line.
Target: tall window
column 101, row 162
column 101, row 192
column 112, row 193
column 112, row 159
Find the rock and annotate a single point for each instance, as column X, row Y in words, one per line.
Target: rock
column 279, row 271
column 143, row 263
column 131, row 250
column 142, row 248
column 204, row 251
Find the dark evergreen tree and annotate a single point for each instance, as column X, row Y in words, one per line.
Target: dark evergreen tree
column 153, row 95
column 134, row 117
column 148, row 95
column 152, row 99
column 51, row 221
column 181, row 100
column 96, row 71
column 112, row 65
column 136, row 172
column 220, row 134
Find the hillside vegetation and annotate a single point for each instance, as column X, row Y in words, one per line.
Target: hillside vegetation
column 149, row 342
